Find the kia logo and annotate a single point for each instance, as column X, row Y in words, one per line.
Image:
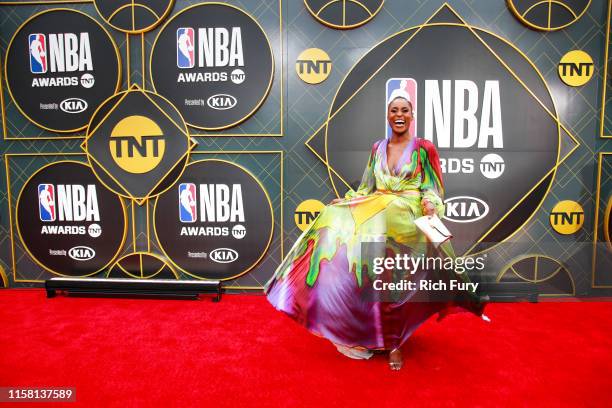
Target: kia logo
column 221, row 101
column 73, row 105
column 465, row 209
column 81, row 253
column 223, row 255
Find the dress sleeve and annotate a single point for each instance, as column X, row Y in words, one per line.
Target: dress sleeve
column 432, row 187
column 368, row 181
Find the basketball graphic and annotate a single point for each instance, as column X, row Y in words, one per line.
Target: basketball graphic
column 133, row 16
column 141, row 265
column 550, row 276
column 343, row 14
column 546, row 15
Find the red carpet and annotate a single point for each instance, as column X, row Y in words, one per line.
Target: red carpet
column 241, row 352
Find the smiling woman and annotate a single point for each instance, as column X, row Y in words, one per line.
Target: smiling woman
column 399, row 116
column 326, row 282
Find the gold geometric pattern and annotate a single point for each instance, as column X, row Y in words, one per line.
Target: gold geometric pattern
column 606, row 96
column 136, row 27
column 272, row 256
column 49, row 134
column 277, row 91
column 543, row 269
column 144, row 262
column 354, row 13
column 19, row 252
column 553, row 114
column 178, row 161
column 4, row 278
column 558, row 13
column 305, row 177
column 602, row 248
column 607, row 221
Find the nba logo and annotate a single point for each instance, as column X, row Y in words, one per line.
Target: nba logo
column 187, row 202
column 46, row 202
column 38, row 53
column 185, row 56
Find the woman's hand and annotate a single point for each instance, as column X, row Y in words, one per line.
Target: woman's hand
column 336, row 201
column 428, row 207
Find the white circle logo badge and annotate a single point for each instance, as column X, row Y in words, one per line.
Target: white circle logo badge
column 87, row 81
column 94, row 230
column 492, row 166
column 237, row 76
column 238, row 231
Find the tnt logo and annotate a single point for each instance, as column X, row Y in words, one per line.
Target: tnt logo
column 237, row 76
column 567, row 217
column 576, row 68
column 46, row 202
column 137, row 144
column 313, row 65
column 187, row 202
column 38, row 53
column 492, row 166
column 306, row 212
column 185, row 54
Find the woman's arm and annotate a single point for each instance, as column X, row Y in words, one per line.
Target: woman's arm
column 368, row 181
column 432, row 186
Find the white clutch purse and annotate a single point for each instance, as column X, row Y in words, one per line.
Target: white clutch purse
column 433, row 229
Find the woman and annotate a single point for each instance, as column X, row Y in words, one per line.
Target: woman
column 323, row 283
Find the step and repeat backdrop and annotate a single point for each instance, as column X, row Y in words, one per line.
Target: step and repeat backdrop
column 196, row 140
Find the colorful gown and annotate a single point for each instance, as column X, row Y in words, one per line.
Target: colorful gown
column 321, row 282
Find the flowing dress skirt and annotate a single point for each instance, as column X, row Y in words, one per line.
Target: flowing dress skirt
column 325, row 286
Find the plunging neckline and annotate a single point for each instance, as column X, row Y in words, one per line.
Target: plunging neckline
column 395, row 171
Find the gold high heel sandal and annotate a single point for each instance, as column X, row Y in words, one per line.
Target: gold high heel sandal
column 395, row 360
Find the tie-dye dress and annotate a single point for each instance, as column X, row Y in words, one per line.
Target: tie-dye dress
column 322, row 283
